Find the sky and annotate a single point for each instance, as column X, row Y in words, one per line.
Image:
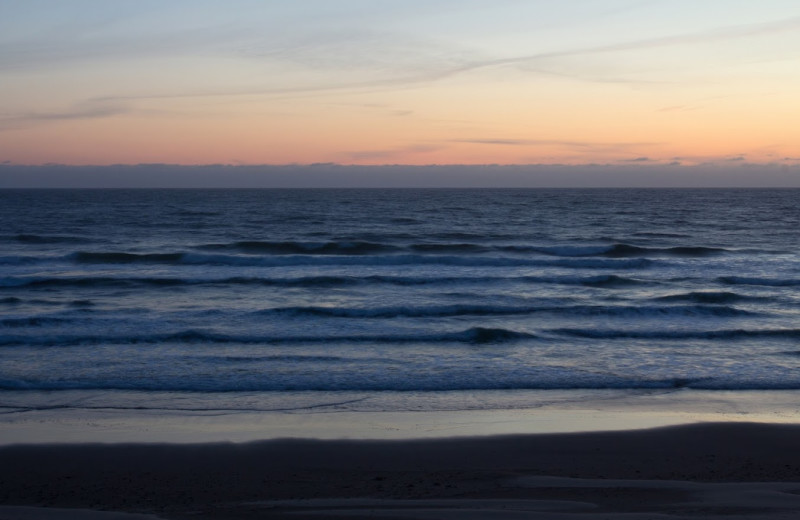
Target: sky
column 685, row 83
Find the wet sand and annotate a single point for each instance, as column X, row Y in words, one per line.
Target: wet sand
column 718, row 470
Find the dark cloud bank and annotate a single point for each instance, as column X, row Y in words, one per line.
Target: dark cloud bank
column 633, row 174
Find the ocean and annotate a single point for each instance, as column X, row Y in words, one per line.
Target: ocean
column 201, row 301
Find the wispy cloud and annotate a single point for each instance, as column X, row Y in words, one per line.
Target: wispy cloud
column 702, row 37
column 639, row 160
column 85, row 110
column 595, row 145
column 404, row 63
column 391, row 153
column 343, row 62
column 501, row 142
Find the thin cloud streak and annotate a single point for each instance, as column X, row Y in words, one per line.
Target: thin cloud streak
column 432, row 74
column 724, row 33
column 638, row 160
column 554, row 142
column 85, row 110
column 392, row 153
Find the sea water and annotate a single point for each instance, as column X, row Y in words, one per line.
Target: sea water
column 192, row 301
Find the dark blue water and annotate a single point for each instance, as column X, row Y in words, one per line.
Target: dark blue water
column 228, row 292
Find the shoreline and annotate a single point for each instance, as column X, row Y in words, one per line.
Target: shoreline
column 68, row 417
column 709, row 469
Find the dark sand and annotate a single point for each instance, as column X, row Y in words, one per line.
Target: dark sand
column 723, row 470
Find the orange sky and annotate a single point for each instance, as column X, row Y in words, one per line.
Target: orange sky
column 445, row 82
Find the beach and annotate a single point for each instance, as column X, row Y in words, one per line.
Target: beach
column 704, row 470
